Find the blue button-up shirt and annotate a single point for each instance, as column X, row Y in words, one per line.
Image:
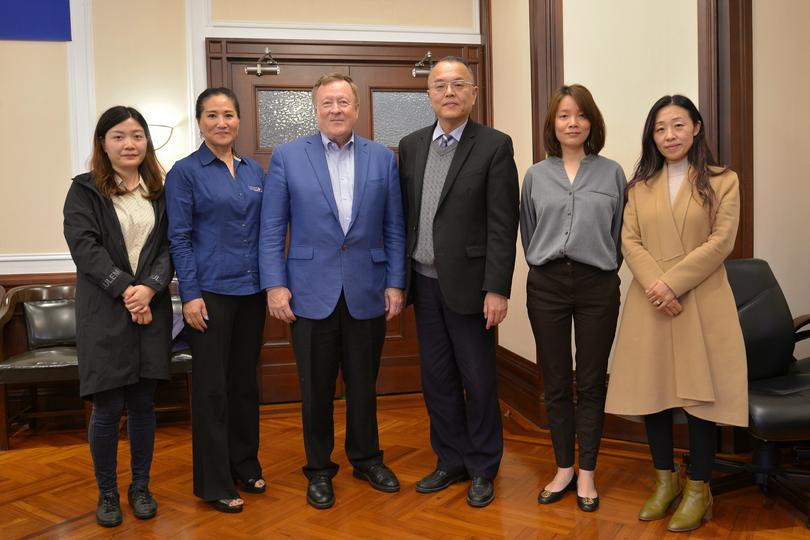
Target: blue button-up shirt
column 214, row 224
column 340, row 162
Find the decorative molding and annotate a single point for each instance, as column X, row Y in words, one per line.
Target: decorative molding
column 339, row 32
column 81, row 85
column 201, row 25
column 36, row 263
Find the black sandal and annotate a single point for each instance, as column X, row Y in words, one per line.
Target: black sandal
column 224, row 505
column 250, row 485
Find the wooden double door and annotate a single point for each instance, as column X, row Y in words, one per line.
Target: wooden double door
column 278, row 108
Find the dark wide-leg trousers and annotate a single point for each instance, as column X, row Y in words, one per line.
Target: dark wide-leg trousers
column 459, row 383
column 557, row 293
column 225, row 394
column 321, row 348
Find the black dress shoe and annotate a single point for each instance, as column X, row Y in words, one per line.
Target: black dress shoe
column 439, row 480
column 380, row 477
column 588, row 504
column 481, row 492
column 108, row 511
column 320, row 493
column 548, row 497
column 143, row 504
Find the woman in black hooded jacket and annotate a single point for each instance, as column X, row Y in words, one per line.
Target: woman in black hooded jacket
column 115, row 226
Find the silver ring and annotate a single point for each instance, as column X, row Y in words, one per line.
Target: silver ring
column 658, row 302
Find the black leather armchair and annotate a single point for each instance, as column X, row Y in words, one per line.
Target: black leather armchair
column 778, row 388
column 50, row 355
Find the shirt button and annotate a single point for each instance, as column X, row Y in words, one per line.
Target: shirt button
column 569, row 193
column 566, row 233
column 244, row 225
column 569, row 213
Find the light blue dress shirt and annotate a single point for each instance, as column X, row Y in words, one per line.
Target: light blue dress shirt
column 341, row 172
column 456, row 133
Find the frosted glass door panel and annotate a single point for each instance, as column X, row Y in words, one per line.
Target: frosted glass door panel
column 284, row 115
column 397, row 114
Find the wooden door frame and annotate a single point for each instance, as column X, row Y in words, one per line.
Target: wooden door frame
column 220, row 52
column 725, row 67
column 725, row 79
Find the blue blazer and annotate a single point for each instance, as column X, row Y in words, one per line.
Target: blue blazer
column 322, row 261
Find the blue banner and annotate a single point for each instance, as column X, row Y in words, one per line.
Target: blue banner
column 35, row 20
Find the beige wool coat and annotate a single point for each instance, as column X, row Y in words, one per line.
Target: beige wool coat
column 695, row 360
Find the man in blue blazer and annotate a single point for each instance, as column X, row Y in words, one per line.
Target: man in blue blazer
column 342, row 278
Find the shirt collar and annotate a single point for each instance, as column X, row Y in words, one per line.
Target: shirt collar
column 456, row 133
column 207, row 157
column 329, row 145
column 141, row 184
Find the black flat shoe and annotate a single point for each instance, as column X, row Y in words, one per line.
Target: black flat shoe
column 108, row 511
column 250, row 485
column 439, row 480
column 481, row 492
column 320, row 493
column 224, row 505
column 143, row 504
column 549, row 497
column 588, row 504
column 380, row 477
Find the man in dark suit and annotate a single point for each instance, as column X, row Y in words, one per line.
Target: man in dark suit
column 341, row 279
column 460, row 194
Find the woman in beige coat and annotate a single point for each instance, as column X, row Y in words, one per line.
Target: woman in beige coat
column 679, row 345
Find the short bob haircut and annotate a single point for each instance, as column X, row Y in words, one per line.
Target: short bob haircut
column 100, row 166
column 328, row 78
column 595, row 141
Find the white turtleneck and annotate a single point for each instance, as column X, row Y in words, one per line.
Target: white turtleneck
column 677, row 172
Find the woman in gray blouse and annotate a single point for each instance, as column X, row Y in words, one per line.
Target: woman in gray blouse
column 570, row 219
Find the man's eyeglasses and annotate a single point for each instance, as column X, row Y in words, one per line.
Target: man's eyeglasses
column 440, row 87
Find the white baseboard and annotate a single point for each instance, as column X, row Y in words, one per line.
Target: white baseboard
column 36, row 263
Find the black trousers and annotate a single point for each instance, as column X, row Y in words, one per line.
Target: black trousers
column 225, row 394
column 702, row 443
column 321, row 347
column 557, row 293
column 459, row 383
column 102, row 432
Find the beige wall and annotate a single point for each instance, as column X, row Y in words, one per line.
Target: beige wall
column 781, row 116
column 612, row 49
column 512, row 104
column 140, row 61
column 447, row 13
column 34, row 146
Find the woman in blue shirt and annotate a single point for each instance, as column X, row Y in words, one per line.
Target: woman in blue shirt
column 214, row 201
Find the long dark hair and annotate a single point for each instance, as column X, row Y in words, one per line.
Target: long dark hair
column 101, row 167
column 700, row 156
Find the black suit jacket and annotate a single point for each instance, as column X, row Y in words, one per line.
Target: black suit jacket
column 475, row 228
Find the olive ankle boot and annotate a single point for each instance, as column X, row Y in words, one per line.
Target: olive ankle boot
column 695, row 507
column 666, row 496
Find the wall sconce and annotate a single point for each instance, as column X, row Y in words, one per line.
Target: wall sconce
column 264, row 65
column 160, row 134
column 422, row 67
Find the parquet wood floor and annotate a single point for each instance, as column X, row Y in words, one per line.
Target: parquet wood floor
column 47, row 491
